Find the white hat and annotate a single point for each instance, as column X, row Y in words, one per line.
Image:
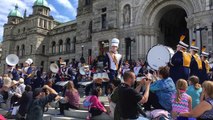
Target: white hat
column 21, row 80
column 63, row 63
column 28, row 62
column 115, row 42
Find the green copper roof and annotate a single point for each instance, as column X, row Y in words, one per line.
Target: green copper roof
column 15, row 12
column 41, row 3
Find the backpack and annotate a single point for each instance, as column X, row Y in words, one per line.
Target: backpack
column 86, row 102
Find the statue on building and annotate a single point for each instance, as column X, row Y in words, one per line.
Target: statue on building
column 126, row 14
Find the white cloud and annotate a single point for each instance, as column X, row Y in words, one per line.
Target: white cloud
column 7, row 5
column 68, row 5
column 62, row 18
column 52, row 8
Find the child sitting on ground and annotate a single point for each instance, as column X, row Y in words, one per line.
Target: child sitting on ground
column 96, row 107
column 194, row 90
column 181, row 101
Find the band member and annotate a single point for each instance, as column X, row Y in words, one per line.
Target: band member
column 180, row 62
column 196, row 62
column 113, row 60
column 26, row 72
column 63, row 72
column 125, row 68
column 13, row 71
column 138, row 69
column 86, row 74
column 205, row 64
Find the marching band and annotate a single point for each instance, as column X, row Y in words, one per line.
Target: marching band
column 182, row 65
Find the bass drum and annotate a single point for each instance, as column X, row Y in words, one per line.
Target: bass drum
column 159, row 56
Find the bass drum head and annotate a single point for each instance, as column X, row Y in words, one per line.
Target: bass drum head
column 159, row 56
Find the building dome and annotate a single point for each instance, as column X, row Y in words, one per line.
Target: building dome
column 41, row 3
column 15, row 13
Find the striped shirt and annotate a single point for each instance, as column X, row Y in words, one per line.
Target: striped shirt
column 182, row 105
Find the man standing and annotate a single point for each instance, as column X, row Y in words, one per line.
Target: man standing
column 112, row 62
column 26, row 72
column 196, row 62
column 12, row 70
column 128, row 98
column 180, row 62
column 205, row 64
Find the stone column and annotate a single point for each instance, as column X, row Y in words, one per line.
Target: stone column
column 142, row 46
column 207, row 5
column 43, row 23
column 147, row 43
column 209, row 38
column 38, row 21
column 57, row 48
column 137, row 46
column 64, row 47
column 197, row 36
column 50, row 50
column 153, row 42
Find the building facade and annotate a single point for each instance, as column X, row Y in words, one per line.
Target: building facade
column 139, row 24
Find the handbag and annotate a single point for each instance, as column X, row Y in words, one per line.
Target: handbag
column 86, row 102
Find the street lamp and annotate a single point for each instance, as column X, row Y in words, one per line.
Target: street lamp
column 201, row 41
column 129, row 47
column 82, row 51
column 82, row 55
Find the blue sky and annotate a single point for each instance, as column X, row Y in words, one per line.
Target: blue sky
column 61, row 10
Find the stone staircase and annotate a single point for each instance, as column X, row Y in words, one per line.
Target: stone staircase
column 52, row 113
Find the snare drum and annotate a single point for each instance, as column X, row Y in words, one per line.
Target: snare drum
column 159, row 56
column 97, row 76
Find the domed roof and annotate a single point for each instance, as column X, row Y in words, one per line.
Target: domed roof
column 15, row 13
column 41, row 3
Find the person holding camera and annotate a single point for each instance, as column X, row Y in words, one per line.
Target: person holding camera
column 161, row 91
column 128, row 98
column 41, row 96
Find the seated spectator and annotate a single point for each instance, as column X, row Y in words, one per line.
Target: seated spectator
column 204, row 110
column 113, row 99
column 21, row 85
column 161, row 91
column 5, row 89
column 25, row 102
column 1, row 82
column 14, row 93
column 129, row 98
column 181, row 101
column 40, row 99
column 194, row 90
column 96, row 108
column 72, row 97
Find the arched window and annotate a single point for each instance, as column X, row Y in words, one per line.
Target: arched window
column 87, row 2
column 60, row 46
column 73, row 44
column 23, row 50
column 68, row 45
column 127, row 14
column 53, row 47
column 17, row 50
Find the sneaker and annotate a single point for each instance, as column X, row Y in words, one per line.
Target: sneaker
column 88, row 118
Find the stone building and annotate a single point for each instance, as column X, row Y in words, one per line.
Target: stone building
column 139, row 24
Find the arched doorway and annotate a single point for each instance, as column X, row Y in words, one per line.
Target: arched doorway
column 172, row 25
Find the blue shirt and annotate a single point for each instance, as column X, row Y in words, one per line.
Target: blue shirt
column 164, row 89
column 195, row 94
